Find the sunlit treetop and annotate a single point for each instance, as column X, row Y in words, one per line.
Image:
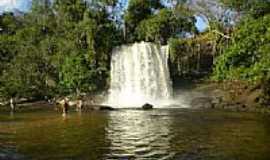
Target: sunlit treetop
column 256, row 8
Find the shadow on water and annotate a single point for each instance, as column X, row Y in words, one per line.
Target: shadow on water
column 135, row 134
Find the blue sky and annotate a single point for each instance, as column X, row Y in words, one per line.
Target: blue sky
column 201, row 24
column 23, row 5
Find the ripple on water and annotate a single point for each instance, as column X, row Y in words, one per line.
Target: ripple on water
column 139, row 135
column 158, row 134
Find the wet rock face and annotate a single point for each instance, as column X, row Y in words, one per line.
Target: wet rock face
column 147, row 106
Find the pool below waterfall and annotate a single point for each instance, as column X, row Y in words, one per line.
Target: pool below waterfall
column 130, row 134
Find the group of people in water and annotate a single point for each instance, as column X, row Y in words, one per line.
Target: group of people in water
column 64, row 104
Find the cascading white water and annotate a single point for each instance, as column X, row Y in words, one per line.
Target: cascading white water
column 139, row 75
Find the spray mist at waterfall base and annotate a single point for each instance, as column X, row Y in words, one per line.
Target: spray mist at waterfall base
column 140, row 75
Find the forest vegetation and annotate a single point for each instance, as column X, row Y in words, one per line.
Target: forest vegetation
column 64, row 47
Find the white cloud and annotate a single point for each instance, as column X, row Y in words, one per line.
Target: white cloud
column 6, row 3
column 9, row 5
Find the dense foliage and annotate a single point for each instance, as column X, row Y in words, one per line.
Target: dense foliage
column 255, row 8
column 164, row 25
column 64, row 46
column 149, row 20
column 56, row 48
column 137, row 11
column 192, row 56
column 248, row 55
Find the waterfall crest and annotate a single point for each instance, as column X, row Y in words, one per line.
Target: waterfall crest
column 139, row 75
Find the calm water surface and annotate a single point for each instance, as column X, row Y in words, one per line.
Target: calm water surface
column 179, row 134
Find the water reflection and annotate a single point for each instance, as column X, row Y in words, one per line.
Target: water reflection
column 137, row 134
column 175, row 134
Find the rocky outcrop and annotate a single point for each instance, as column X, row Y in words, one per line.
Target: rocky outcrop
column 202, row 102
column 233, row 96
column 147, row 106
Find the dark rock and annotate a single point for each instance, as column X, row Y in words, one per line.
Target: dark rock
column 147, row 106
column 99, row 108
column 106, row 108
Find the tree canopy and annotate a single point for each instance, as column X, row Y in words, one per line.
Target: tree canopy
column 64, row 46
column 56, row 48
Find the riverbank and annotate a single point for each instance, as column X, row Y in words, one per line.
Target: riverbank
column 29, row 103
column 230, row 95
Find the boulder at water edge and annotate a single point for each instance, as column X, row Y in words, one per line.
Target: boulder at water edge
column 147, row 106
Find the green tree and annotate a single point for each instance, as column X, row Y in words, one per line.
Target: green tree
column 27, row 74
column 256, row 8
column 164, row 25
column 137, row 11
column 59, row 47
column 247, row 56
column 9, row 23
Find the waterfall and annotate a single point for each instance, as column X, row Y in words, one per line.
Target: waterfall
column 139, row 75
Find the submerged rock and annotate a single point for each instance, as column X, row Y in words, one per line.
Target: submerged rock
column 147, row 106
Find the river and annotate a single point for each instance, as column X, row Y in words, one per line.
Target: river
column 129, row 134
